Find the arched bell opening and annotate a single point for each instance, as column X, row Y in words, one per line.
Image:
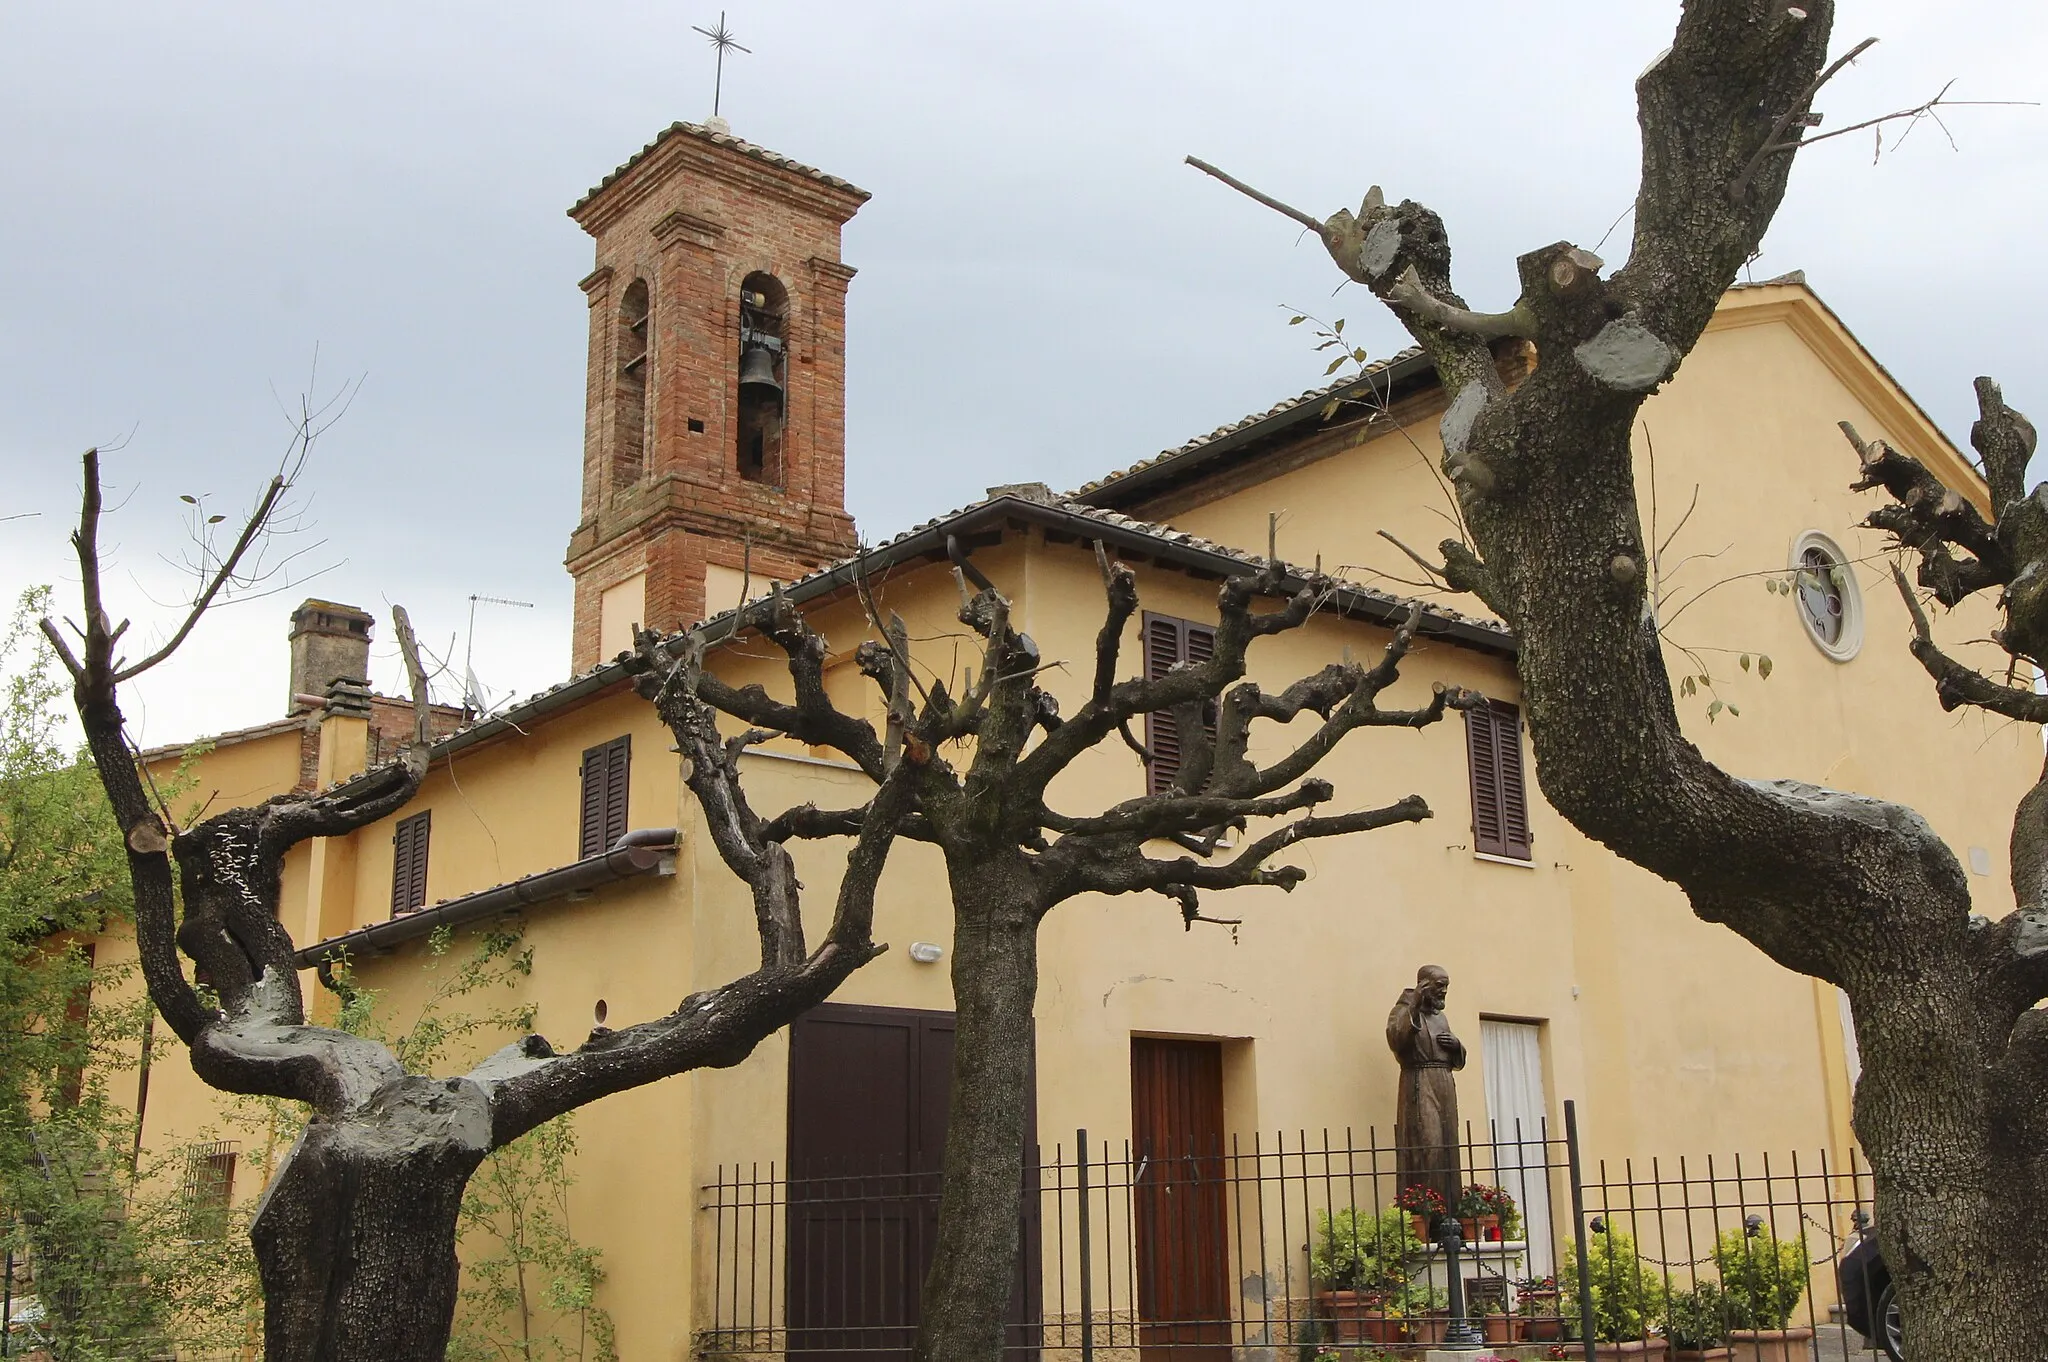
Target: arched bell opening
column 629, row 436
column 763, row 375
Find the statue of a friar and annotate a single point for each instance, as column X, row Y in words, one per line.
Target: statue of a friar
column 1426, row 1113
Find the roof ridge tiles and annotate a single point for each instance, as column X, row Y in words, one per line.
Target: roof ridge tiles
column 722, row 139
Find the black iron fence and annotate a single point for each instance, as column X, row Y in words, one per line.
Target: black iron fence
column 1306, row 1244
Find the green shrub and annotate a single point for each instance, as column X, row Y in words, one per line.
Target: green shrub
column 1360, row 1251
column 1763, row 1276
column 1697, row 1320
column 1627, row 1296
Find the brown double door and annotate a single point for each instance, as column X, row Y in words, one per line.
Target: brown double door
column 1179, row 1205
column 868, row 1091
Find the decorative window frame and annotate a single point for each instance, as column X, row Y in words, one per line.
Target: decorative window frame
column 1845, row 648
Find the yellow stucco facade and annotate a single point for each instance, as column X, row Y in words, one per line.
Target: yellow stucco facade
column 1672, row 1035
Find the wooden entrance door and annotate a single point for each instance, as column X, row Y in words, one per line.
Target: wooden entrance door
column 1178, row 1203
column 868, row 1091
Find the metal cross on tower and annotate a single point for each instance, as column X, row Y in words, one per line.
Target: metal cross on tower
column 721, row 38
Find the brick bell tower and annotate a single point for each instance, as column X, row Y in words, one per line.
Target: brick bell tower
column 714, row 440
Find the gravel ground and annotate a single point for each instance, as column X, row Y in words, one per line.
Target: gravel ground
column 1839, row 1343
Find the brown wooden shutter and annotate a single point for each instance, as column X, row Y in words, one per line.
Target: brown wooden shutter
column 1165, row 639
column 602, row 820
column 409, row 863
column 76, row 1045
column 1500, row 805
column 1201, row 646
column 1514, row 798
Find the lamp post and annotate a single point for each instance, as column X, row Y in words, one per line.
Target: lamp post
column 1460, row 1333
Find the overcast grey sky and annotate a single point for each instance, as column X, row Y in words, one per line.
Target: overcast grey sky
column 194, row 196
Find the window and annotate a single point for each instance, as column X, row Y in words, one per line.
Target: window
column 409, row 863
column 603, row 820
column 1824, row 592
column 629, row 443
column 1168, row 643
column 764, row 310
column 209, row 1188
column 1500, row 804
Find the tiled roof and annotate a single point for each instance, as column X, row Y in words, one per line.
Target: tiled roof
column 1342, row 387
column 1489, row 634
column 1314, row 396
column 1796, row 278
column 722, row 139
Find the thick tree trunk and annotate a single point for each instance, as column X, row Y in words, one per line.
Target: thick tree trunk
column 995, row 982
column 1965, row 1237
column 355, row 1240
column 1960, row 1210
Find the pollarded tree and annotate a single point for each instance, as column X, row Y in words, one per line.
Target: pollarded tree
column 1011, row 858
column 355, row 1238
column 1853, row 890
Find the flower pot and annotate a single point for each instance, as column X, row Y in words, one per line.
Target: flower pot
column 1480, row 1229
column 1771, row 1345
column 1540, row 1320
column 1359, row 1316
column 1429, row 1328
column 1710, row 1355
column 1420, row 1224
column 1497, row 1328
column 1641, row 1348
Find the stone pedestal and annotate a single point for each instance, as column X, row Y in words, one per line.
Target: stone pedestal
column 1500, row 1258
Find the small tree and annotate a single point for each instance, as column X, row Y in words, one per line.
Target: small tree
column 1011, row 858
column 355, row 1239
column 1952, row 1106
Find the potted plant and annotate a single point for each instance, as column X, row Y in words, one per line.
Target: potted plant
column 1360, row 1267
column 1490, row 1313
column 1487, row 1214
column 1539, row 1317
column 1424, row 1204
column 1764, row 1279
column 1425, row 1310
column 1696, row 1323
column 1628, row 1297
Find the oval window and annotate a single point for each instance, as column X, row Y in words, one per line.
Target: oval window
column 1825, row 594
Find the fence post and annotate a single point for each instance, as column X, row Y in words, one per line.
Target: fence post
column 1587, row 1331
column 7, row 1310
column 1087, row 1266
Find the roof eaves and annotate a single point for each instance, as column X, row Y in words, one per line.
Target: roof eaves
column 731, row 143
column 1127, row 484
column 929, row 540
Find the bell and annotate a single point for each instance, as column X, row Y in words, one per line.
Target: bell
column 757, row 374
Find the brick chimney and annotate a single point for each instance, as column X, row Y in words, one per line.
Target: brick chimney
column 330, row 643
column 715, row 430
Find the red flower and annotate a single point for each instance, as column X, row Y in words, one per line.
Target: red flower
column 1419, row 1198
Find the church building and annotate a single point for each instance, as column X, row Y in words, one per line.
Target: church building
column 715, row 464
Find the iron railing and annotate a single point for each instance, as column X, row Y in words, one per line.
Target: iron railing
column 1200, row 1254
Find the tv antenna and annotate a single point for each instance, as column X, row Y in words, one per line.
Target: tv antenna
column 472, row 693
column 721, row 38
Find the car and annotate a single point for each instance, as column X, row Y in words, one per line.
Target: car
column 1868, row 1301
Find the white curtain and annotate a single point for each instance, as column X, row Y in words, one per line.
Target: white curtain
column 1852, row 1052
column 1519, row 1113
